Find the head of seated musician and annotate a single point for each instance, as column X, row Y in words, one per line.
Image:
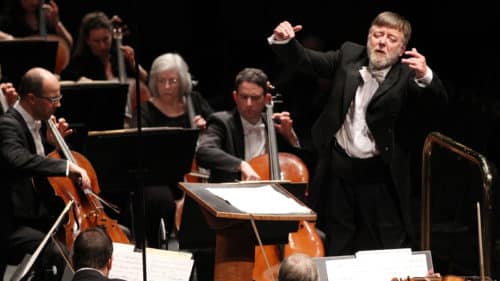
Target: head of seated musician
column 298, row 267
column 29, row 204
column 94, row 56
column 92, row 255
column 169, row 83
column 234, row 137
column 20, row 19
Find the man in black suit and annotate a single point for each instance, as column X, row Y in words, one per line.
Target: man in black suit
column 28, row 204
column 92, row 255
column 361, row 189
column 234, row 137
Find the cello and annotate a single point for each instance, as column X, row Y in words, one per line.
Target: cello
column 283, row 166
column 144, row 93
column 87, row 209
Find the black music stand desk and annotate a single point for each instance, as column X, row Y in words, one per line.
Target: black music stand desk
column 19, row 55
column 167, row 154
column 95, row 106
column 234, row 237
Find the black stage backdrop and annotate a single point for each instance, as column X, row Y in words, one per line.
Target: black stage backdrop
column 219, row 38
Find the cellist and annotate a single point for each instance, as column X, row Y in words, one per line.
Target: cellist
column 95, row 57
column 28, row 207
column 234, row 137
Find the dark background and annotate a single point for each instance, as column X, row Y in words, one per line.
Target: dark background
column 219, row 38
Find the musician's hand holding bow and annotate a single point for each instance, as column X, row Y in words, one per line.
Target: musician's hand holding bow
column 79, row 176
column 247, row 172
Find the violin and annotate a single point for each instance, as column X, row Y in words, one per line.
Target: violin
column 87, row 209
column 283, row 166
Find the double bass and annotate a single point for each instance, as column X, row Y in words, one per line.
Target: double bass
column 283, row 166
column 87, row 210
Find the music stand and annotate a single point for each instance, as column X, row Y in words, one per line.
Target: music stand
column 27, row 263
column 167, row 152
column 234, row 238
column 20, row 55
column 94, row 106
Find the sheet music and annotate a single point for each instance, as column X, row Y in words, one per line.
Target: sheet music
column 270, row 200
column 162, row 265
column 379, row 265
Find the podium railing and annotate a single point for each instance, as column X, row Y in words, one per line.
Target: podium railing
column 480, row 161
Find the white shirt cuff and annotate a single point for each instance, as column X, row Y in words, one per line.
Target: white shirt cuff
column 271, row 40
column 426, row 80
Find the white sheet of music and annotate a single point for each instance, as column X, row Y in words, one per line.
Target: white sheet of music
column 161, row 264
column 378, row 265
column 270, row 201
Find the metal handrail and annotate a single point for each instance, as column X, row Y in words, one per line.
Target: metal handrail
column 486, row 204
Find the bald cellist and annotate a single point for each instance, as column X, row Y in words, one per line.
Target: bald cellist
column 28, row 207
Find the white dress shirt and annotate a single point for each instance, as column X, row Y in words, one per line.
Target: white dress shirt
column 255, row 138
column 34, row 127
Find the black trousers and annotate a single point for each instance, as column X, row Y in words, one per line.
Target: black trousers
column 362, row 208
column 159, row 204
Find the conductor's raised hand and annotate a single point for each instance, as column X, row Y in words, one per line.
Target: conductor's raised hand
column 416, row 61
column 285, row 31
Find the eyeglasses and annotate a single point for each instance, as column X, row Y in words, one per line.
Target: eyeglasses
column 171, row 81
column 53, row 100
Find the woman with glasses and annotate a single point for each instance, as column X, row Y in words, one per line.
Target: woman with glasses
column 170, row 84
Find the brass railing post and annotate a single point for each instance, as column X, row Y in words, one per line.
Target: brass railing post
column 486, row 204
